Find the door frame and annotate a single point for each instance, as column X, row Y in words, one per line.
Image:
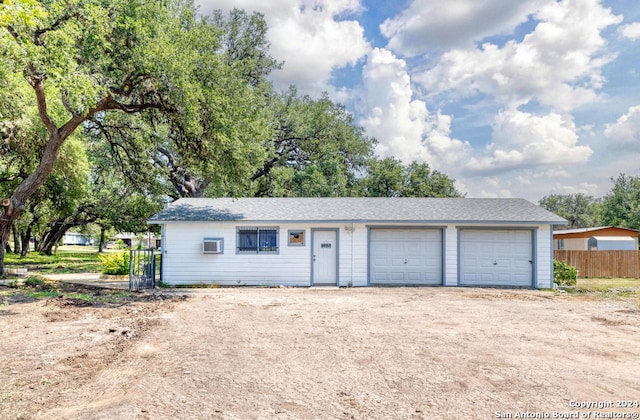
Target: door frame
column 337, row 252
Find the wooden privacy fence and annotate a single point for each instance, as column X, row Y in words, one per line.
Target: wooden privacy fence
column 602, row 263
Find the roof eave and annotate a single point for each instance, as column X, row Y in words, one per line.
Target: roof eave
column 364, row 221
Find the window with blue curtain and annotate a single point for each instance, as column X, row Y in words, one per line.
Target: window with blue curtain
column 257, row 240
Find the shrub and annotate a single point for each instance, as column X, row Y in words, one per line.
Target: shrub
column 115, row 263
column 564, row 274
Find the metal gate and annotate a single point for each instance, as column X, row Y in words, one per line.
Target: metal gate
column 142, row 269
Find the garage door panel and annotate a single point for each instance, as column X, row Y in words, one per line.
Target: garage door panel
column 397, row 276
column 412, row 256
column 381, row 277
column 414, row 277
column 496, row 258
column 522, row 264
column 397, row 262
column 381, row 262
column 394, row 248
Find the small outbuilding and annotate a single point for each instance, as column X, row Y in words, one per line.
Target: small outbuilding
column 580, row 239
column 357, row 242
column 612, row 243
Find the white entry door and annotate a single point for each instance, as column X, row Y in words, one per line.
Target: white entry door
column 325, row 257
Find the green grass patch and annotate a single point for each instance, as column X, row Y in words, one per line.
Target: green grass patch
column 609, row 283
column 607, row 288
column 81, row 296
column 37, row 288
column 41, row 294
column 64, row 261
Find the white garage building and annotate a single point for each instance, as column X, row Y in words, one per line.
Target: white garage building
column 357, row 242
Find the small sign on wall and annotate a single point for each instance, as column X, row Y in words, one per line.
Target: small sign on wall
column 296, row 237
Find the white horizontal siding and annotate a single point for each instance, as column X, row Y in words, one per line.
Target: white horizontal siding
column 184, row 262
column 353, row 255
column 544, row 269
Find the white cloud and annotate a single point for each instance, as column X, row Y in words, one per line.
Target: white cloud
column 559, row 64
column 537, row 80
column 631, row 31
column 428, row 25
column 403, row 125
column 625, row 133
column 522, row 140
column 586, row 188
column 308, row 36
column 532, row 184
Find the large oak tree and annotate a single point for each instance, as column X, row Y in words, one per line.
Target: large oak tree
column 84, row 59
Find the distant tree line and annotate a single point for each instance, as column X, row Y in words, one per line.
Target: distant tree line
column 619, row 207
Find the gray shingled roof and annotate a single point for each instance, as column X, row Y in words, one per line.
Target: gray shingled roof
column 438, row 210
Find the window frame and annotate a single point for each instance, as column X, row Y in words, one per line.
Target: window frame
column 250, row 249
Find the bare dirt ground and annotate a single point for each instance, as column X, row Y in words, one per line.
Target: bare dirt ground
column 283, row 353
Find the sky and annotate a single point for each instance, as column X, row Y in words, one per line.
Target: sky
column 510, row 98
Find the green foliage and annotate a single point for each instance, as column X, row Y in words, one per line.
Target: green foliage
column 390, row 178
column 579, row 209
column 316, row 149
column 218, row 155
column 89, row 60
column 116, row 263
column 621, row 206
column 564, row 274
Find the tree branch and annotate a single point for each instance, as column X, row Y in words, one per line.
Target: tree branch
column 37, row 40
column 37, row 84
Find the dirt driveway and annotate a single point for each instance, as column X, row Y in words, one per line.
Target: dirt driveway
column 251, row 353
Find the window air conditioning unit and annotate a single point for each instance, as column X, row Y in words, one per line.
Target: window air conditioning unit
column 212, row 246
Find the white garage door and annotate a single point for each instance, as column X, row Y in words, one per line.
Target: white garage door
column 406, row 256
column 496, row 257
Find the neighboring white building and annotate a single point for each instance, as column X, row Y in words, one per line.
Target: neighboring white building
column 357, row 242
column 76, row 238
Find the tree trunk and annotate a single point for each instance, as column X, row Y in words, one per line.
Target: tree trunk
column 54, row 237
column 47, row 236
column 26, row 239
column 5, row 228
column 101, row 244
column 12, row 208
column 16, row 240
